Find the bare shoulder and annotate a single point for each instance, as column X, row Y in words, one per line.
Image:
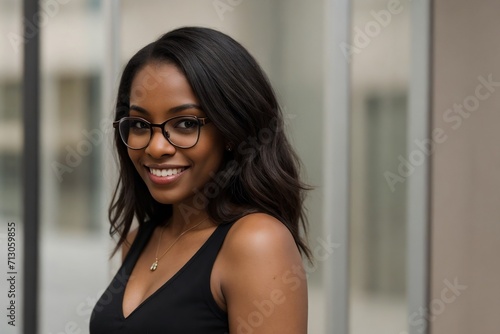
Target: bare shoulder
column 262, row 268
column 258, row 234
column 128, row 242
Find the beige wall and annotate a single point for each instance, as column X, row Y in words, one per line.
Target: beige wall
column 465, row 168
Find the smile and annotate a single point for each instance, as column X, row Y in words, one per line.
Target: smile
column 166, row 172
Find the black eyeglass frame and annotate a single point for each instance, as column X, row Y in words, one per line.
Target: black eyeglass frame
column 200, row 120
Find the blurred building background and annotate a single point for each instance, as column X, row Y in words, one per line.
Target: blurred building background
column 417, row 222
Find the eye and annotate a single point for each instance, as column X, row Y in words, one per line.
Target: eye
column 186, row 124
column 137, row 124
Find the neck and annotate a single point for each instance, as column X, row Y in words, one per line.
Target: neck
column 185, row 216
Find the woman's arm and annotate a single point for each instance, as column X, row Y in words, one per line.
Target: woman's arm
column 264, row 284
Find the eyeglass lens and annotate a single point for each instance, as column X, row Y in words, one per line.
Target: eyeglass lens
column 182, row 131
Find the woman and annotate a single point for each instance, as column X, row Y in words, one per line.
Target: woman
column 208, row 173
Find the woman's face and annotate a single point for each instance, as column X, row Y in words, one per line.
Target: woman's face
column 160, row 91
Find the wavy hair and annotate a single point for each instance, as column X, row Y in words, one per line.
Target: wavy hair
column 260, row 174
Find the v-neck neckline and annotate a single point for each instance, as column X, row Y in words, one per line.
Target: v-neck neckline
column 166, row 283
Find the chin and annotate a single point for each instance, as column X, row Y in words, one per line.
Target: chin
column 171, row 199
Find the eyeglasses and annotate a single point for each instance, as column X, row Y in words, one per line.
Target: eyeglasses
column 180, row 131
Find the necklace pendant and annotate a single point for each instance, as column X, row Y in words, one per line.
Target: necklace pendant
column 154, row 266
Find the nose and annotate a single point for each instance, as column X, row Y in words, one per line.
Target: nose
column 159, row 145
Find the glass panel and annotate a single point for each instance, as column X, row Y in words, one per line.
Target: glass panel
column 11, row 52
column 74, row 247
column 380, row 70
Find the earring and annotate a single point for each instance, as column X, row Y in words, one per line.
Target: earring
column 229, row 148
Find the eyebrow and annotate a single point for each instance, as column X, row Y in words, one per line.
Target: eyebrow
column 171, row 110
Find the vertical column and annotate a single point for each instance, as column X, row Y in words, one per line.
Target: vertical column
column 336, row 155
column 111, row 74
column 31, row 158
column 465, row 211
column 418, row 182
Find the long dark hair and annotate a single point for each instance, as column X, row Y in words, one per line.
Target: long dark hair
column 260, row 173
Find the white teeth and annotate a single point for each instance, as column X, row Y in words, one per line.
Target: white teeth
column 165, row 172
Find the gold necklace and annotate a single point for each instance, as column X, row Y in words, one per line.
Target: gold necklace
column 155, row 264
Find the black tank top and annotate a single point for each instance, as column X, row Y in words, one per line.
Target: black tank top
column 184, row 304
